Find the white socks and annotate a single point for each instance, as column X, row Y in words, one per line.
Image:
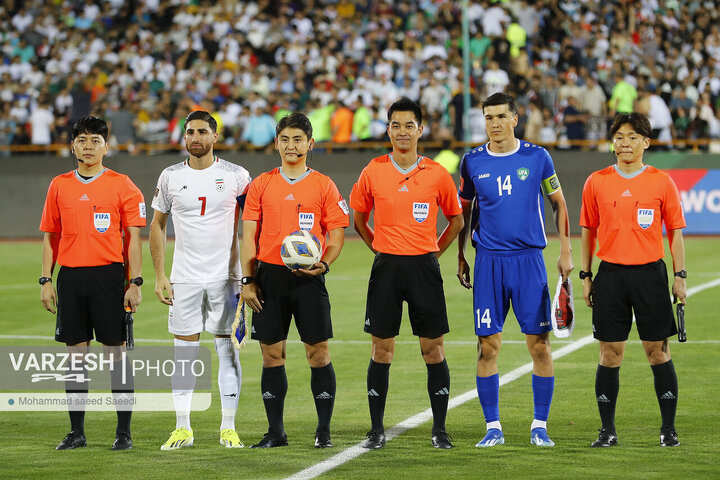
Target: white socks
column 229, row 380
column 183, row 386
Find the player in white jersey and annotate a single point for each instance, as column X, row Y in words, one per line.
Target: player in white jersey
column 204, row 194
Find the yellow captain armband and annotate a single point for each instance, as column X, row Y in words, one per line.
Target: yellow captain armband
column 551, row 185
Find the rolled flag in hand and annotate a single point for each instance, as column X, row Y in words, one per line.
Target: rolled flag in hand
column 239, row 327
column 682, row 335
column 129, row 336
column 563, row 309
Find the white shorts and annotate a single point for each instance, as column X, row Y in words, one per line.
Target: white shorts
column 198, row 307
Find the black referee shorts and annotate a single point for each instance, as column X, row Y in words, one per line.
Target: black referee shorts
column 620, row 290
column 288, row 295
column 91, row 298
column 415, row 279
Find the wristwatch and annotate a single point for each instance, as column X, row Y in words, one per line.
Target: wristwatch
column 583, row 275
column 682, row 273
column 327, row 267
column 137, row 281
column 247, row 280
column 44, row 280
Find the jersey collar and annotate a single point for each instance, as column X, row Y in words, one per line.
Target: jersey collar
column 91, row 179
column 629, row 175
column 405, row 170
column 505, row 154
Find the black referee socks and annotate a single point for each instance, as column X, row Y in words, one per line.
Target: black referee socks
column 438, row 385
column 273, row 383
column 322, row 384
column 378, row 377
column 607, row 386
column 666, row 389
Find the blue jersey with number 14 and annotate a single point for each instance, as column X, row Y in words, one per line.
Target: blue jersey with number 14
column 508, row 191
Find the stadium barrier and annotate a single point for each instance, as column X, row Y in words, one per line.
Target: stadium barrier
column 26, row 177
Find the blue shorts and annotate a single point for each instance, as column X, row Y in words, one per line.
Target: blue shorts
column 502, row 277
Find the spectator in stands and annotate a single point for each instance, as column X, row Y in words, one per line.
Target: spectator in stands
column 623, row 95
column 574, row 121
column 41, row 122
column 260, row 128
column 341, row 123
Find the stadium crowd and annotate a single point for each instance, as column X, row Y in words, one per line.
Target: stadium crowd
column 143, row 65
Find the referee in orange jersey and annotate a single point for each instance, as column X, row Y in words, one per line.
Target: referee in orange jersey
column 289, row 198
column 91, row 215
column 406, row 192
column 624, row 207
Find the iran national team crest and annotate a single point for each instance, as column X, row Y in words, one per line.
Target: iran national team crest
column 522, row 173
column 421, row 211
column 101, row 222
column 306, row 220
column 645, row 217
column 219, row 184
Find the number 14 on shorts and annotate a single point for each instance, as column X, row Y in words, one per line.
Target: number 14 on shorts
column 483, row 318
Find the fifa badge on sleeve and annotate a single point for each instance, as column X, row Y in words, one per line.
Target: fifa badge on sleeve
column 563, row 309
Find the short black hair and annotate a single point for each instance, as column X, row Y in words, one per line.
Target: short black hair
column 295, row 120
column 500, row 98
column 204, row 116
column 406, row 105
column 638, row 121
column 92, row 126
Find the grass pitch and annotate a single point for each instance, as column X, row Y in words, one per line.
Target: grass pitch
column 29, row 439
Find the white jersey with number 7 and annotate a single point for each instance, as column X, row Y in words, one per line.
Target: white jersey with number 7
column 202, row 206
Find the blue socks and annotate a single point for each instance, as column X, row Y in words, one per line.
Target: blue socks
column 488, row 389
column 542, row 396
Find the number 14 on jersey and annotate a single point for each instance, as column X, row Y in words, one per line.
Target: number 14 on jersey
column 484, row 319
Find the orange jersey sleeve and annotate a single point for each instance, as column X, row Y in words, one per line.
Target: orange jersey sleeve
column 281, row 206
column 629, row 213
column 406, row 204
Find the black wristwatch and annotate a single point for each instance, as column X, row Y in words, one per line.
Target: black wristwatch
column 247, row 280
column 327, row 267
column 44, row 280
column 583, row 275
column 137, row 281
column 682, row 273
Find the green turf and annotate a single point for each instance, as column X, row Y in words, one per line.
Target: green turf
column 29, row 438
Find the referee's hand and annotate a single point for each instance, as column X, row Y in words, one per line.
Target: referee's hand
column 48, row 297
column 253, row 296
column 133, row 297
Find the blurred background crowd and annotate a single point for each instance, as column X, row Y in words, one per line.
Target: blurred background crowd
column 144, row 65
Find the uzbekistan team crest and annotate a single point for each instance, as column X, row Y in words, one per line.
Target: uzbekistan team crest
column 523, row 173
column 421, row 211
column 101, row 222
column 645, row 217
column 219, row 184
column 306, row 220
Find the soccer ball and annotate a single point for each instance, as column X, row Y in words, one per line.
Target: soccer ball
column 300, row 249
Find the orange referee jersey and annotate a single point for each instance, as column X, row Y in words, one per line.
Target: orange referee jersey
column 629, row 212
column 90, row 216
column 281, row 206
column 406, row 204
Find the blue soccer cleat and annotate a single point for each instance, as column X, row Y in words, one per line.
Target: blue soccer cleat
column 539, row 437
column 492, row 438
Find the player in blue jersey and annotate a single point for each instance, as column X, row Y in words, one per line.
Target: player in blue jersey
column 502, row 183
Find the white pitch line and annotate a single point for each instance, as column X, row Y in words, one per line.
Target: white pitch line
column 356, row 450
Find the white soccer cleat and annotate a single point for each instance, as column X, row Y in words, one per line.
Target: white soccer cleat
column 229, row 439
column 179, row 438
